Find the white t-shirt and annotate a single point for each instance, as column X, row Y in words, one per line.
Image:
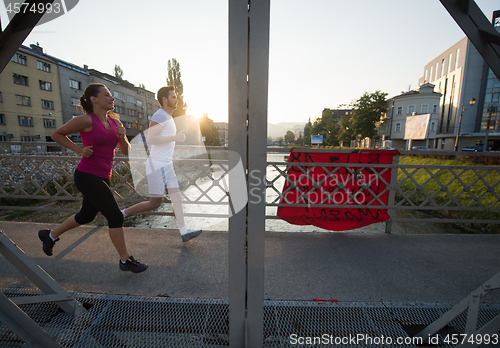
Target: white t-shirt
column 163, row 152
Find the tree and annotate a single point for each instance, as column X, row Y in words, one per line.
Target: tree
column 327, row 126
column 367, row 110
column 118, row 71
column 289, row 137
column 307, row 133
column 174, row 78
column 209, row 131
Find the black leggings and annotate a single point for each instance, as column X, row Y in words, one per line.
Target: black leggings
column 97, row 197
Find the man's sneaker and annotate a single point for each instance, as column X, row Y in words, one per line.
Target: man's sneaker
column 190, row 235
column 48, row 243
column 133, row 265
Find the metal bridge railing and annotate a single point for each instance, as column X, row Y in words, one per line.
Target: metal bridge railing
column 467, row 190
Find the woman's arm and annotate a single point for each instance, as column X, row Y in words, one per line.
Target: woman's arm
column 75, row 125
column 154, row 137
column 123, row 143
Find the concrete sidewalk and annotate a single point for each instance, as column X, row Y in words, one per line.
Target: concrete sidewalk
column 299, row 266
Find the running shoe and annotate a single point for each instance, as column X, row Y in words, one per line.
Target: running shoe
column 190, row 235
column 133, row 265
column 48, row 243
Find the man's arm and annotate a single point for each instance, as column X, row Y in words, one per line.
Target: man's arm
column 154, row 137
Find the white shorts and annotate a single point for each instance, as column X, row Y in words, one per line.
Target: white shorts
column 161, row 179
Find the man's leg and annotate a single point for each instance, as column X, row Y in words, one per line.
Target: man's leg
column 176, row 199
column 153, row 203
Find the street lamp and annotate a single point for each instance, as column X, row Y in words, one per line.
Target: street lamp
column 472, row 101
column 491, row 109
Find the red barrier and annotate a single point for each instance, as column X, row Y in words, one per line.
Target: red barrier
column 345, row 185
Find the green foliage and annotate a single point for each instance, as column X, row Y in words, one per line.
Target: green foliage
column 307, row 133
column 367, row 110
column 117, row 71
column 328, row 127
column 174, row 78
column 289, row 137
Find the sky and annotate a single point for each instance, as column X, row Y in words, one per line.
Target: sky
column 323, row 53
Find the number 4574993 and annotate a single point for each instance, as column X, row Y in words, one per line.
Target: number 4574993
column 17, row 7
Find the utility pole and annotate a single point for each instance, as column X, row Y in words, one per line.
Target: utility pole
column 471, row 102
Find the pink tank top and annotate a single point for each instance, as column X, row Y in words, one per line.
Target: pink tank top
column 103, row 142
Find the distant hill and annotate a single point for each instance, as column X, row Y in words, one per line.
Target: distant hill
column 275, row 130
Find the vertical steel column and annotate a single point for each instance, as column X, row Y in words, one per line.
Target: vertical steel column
column 257, row 162
column 248, row 86
column 237, row 141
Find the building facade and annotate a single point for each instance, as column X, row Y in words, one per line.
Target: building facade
column 30, row 105
column 39, row 93
column 422, row 101
column 460, row 74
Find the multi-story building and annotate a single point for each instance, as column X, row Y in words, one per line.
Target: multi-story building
column 131, row 102
column 30, row 105
column 460, row 74
column 422, row 101
column 223, row 129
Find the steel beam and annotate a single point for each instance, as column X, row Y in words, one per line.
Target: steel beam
column 238, row 111
column 23, row 326
column 18, row 30
column 38, row 276
column 478, row 29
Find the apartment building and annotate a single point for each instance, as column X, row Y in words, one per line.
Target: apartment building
column 422, row 101
column 30, row 105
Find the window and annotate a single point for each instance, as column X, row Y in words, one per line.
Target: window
column 431, row 75
column 2, row 119
column 75, row 84
column 398, row 127
column 424, row 109
column 449, row 63
column 20, row 79
column 25, row 120
column 399, row 110
column 23, row 100
column 435, row 109
column 131, row 99
column 433, row 126
column 119, row 110
column 49, row 123
column 4, row 138
column 387, row 128
column 43, row 66
column 131, row 112
column 425, row 76
column 139, row 102
column 1, row 100
column 456, row 58
column 442, row 67
column 28, row 138
column 46, row 86
column 118, row 95
column 140, row 114
column 437, row 68
column 19, row 58
column 47, row 104
column 411, row 109
column 75, row 102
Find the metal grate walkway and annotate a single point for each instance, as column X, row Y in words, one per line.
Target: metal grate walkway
column 131, row 321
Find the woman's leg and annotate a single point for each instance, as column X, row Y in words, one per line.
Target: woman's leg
column 67, row 225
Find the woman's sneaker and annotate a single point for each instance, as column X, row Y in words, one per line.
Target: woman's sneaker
column 133, row 265
column 48, row 243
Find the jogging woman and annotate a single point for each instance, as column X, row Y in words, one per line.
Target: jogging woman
column 100, row 133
